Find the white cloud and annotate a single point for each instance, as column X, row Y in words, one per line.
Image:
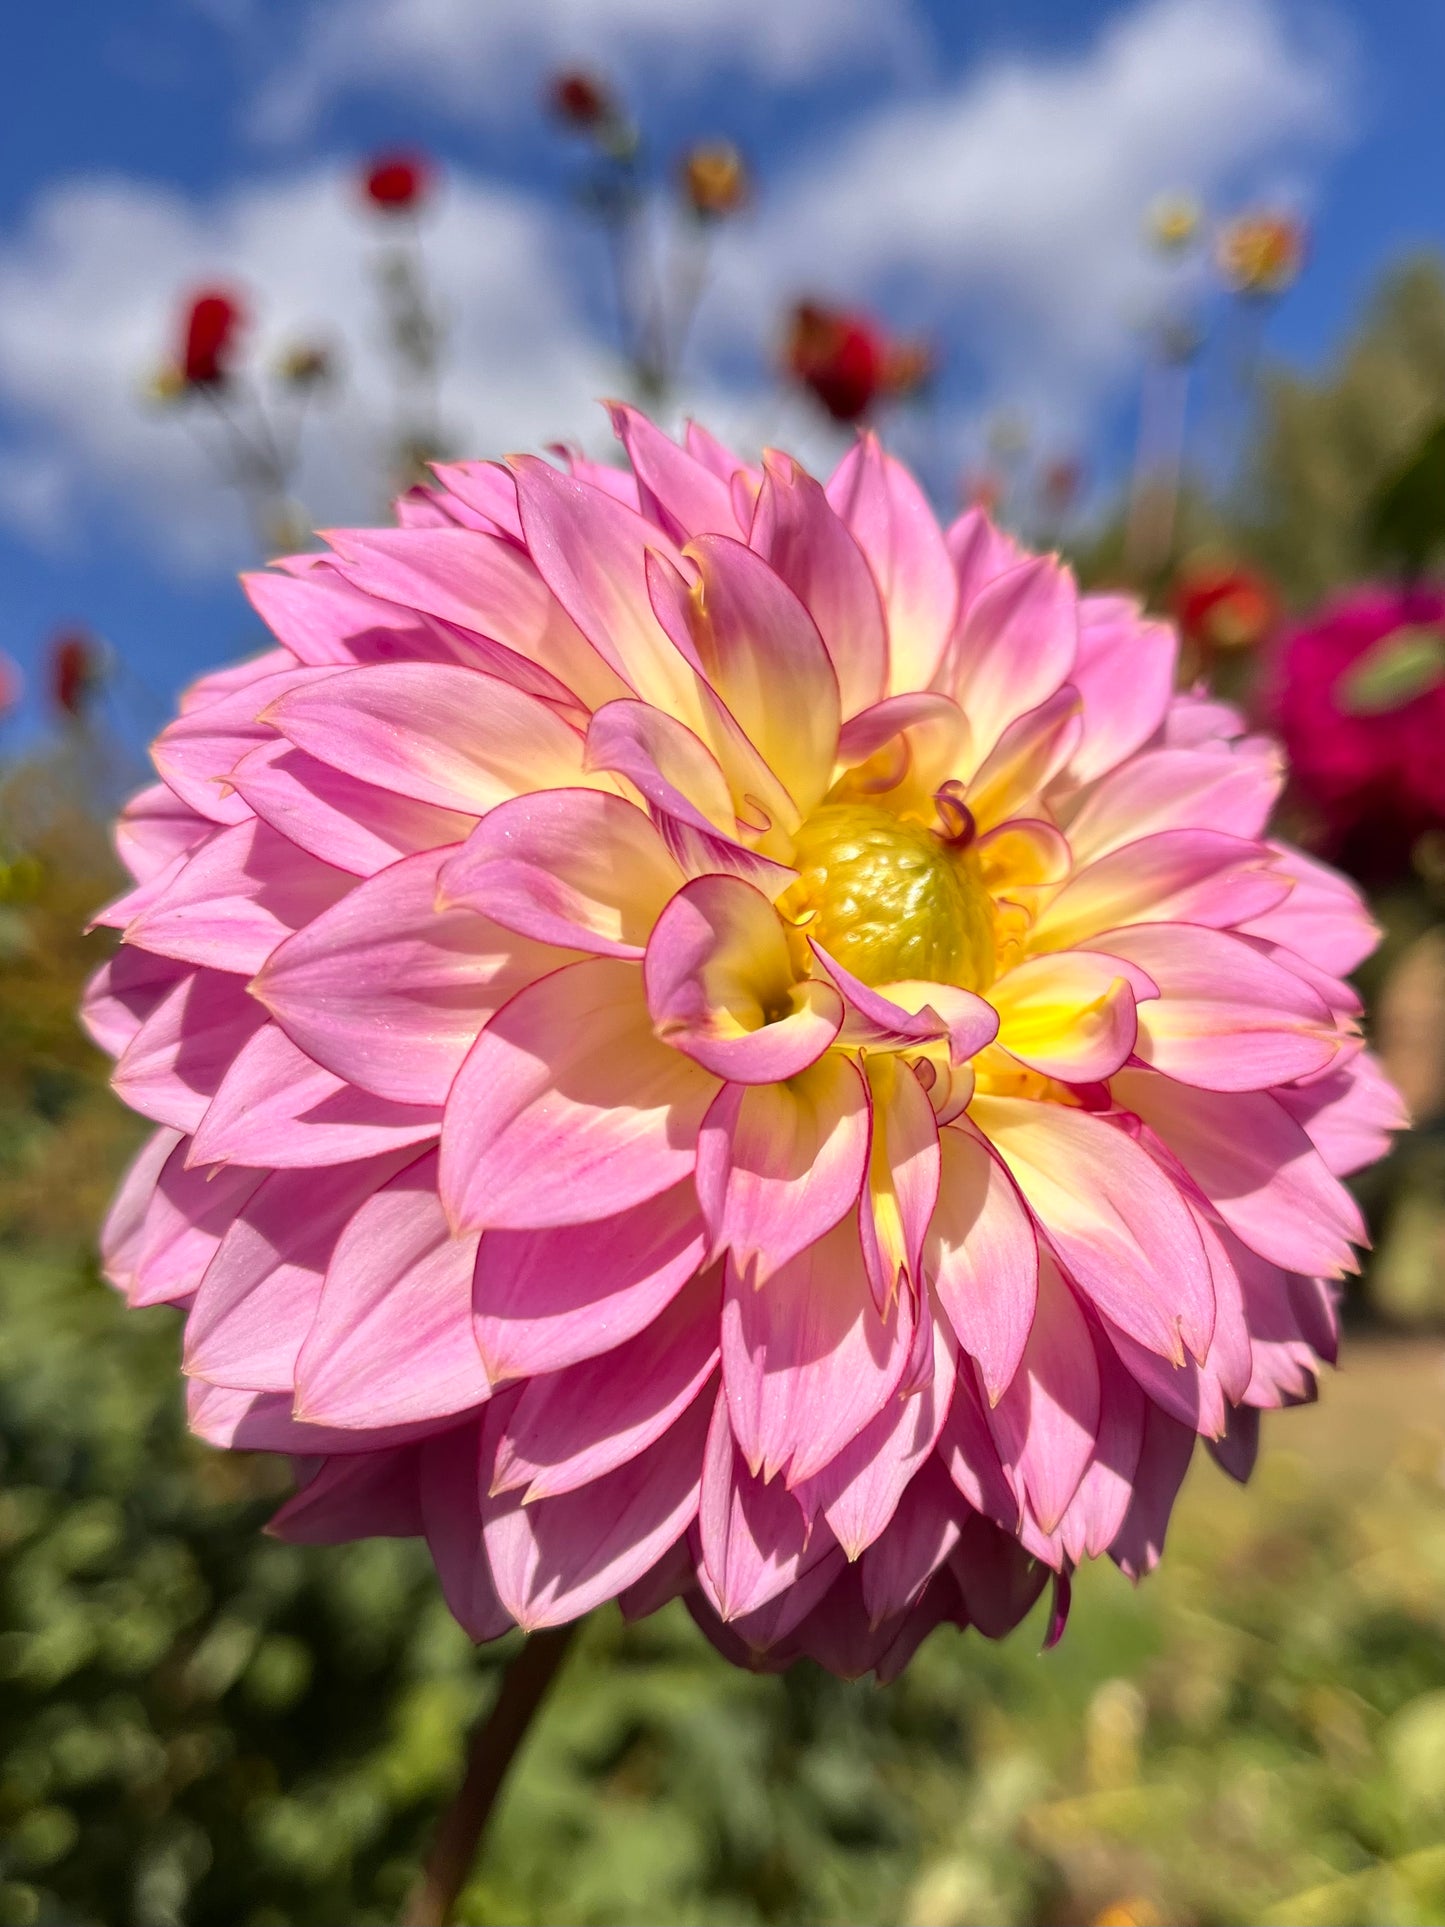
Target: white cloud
column 1006, row 209
column 1002, row 209
column 88, row 299
column 471, row 56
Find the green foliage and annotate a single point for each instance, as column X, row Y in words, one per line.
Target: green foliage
column 1329, row 446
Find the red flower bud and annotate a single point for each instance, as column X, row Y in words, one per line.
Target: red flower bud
column 75, row 671
column 840, row 357
column 580, row 99
column 1222, row 605
column 213, row 319
column 10, row 686
column 395, row 183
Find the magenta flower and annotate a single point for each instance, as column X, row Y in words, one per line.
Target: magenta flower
column 712, row 1038
column 1360, row 703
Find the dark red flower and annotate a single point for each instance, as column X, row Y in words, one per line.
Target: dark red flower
column 841, row 357
column 214, row 317
column 580, row 99
column 75, row 670
column 11, row 686
column 396, row 183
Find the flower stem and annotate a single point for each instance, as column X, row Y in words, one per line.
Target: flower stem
column 494, row 1742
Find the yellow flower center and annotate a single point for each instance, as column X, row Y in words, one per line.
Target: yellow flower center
column 890, row 899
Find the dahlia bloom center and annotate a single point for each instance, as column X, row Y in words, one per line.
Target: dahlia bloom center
column 890, row 898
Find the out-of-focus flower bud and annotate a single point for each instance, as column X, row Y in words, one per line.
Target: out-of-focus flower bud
column 581, row 100
column 839, row 357
column 983, row 489
column 306, row 364
column 165, row 385
column 76, row 664
column 1173, row 222
column 398, row 183
column 11, row 685
column 214, row 318
column 1223, row 605
column 714, row 180
column 1261, row 254
column 1060, row 483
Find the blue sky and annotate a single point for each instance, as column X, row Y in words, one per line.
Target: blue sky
column 974, row 170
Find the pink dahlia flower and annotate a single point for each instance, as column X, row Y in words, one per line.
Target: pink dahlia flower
column 1360, row 703
column 711, row 1037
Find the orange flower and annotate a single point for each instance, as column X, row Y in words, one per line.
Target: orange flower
column 714, row 179
column 1261, row 253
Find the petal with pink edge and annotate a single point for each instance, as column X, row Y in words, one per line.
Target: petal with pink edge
column 796, row 530
column 778, row 1165
column 388, row 992
column 891, row 521
column 393, row 1341
column 350, row 824
column 1118, row 1225
column 808, row 1360
column 1257, row 1168
column 1016, row 646
column 1046, row 1423
column 235, row 900
column 1072, row 1015
column 1174, row 876
column 274, row 1106
column 722, row 987
column 450, row 1478
column 982, row 1257
column 754, row 1538
column 1231, row 787
column 679, row 492
column 903, row 1174
column 186, row 1217
column 372, row 1495
column 1124, row 670
column 123, row 993
column 155, row 828
column 572, row 1427
column 1323, row 917
column 578, row 868
column 567, row 1108
column 1350, row 1113
column 175, row 1062
column 543, row 1300
column 444, row 735
column 1225, row 1018
column 556, row 1559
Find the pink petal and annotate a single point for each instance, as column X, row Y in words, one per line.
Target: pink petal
column 123, row 1232
column 197, row 753
column 556, row 1559
column 1174, row 876
column 1119, row 1226
column 1350, row 1113
column 350, row 824
column 1229, row 787
column 761, row 651
column 982, row 1257
column 807, row 1358
column 571, row 1427
column 891, row 521
column 543, row 1300
column 1096, row 1513
column 444, row 735
column 124, row 992
column 173, row 1065
column 1225, row 1018
column 567, row 1108
column 573, row 867
column 796, row 530
column 155, row 828
column 1046, row 1423
column 1323, row 917
column 591, row 551
column 449, row 1478
column 487, row 489
column 667, row 762
column 261, row 1289
column 236, row 899
column 1257, row 1168
column 393, row 1340
column 754, row 1538
column 1016, row 645
column 680, row 493
column 903, row 1016
column 722, row 987
column 388, row 992
column 186, row 1217
column 1124, row 671
column 1025, row 759
column 966, row 1448
column 919, row 1537
column 372, row 1495
column 778, row 1165
column 274, row 1106
column 1163, row 1461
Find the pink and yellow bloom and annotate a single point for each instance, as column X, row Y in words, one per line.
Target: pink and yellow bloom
column 711, row 1037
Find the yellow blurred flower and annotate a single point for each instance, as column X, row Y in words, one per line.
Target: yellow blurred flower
column 1174, row 221
column 714, row 179
column 165, row 385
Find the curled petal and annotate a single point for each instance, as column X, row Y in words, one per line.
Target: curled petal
column 1071, row 1015
column 722, row 988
